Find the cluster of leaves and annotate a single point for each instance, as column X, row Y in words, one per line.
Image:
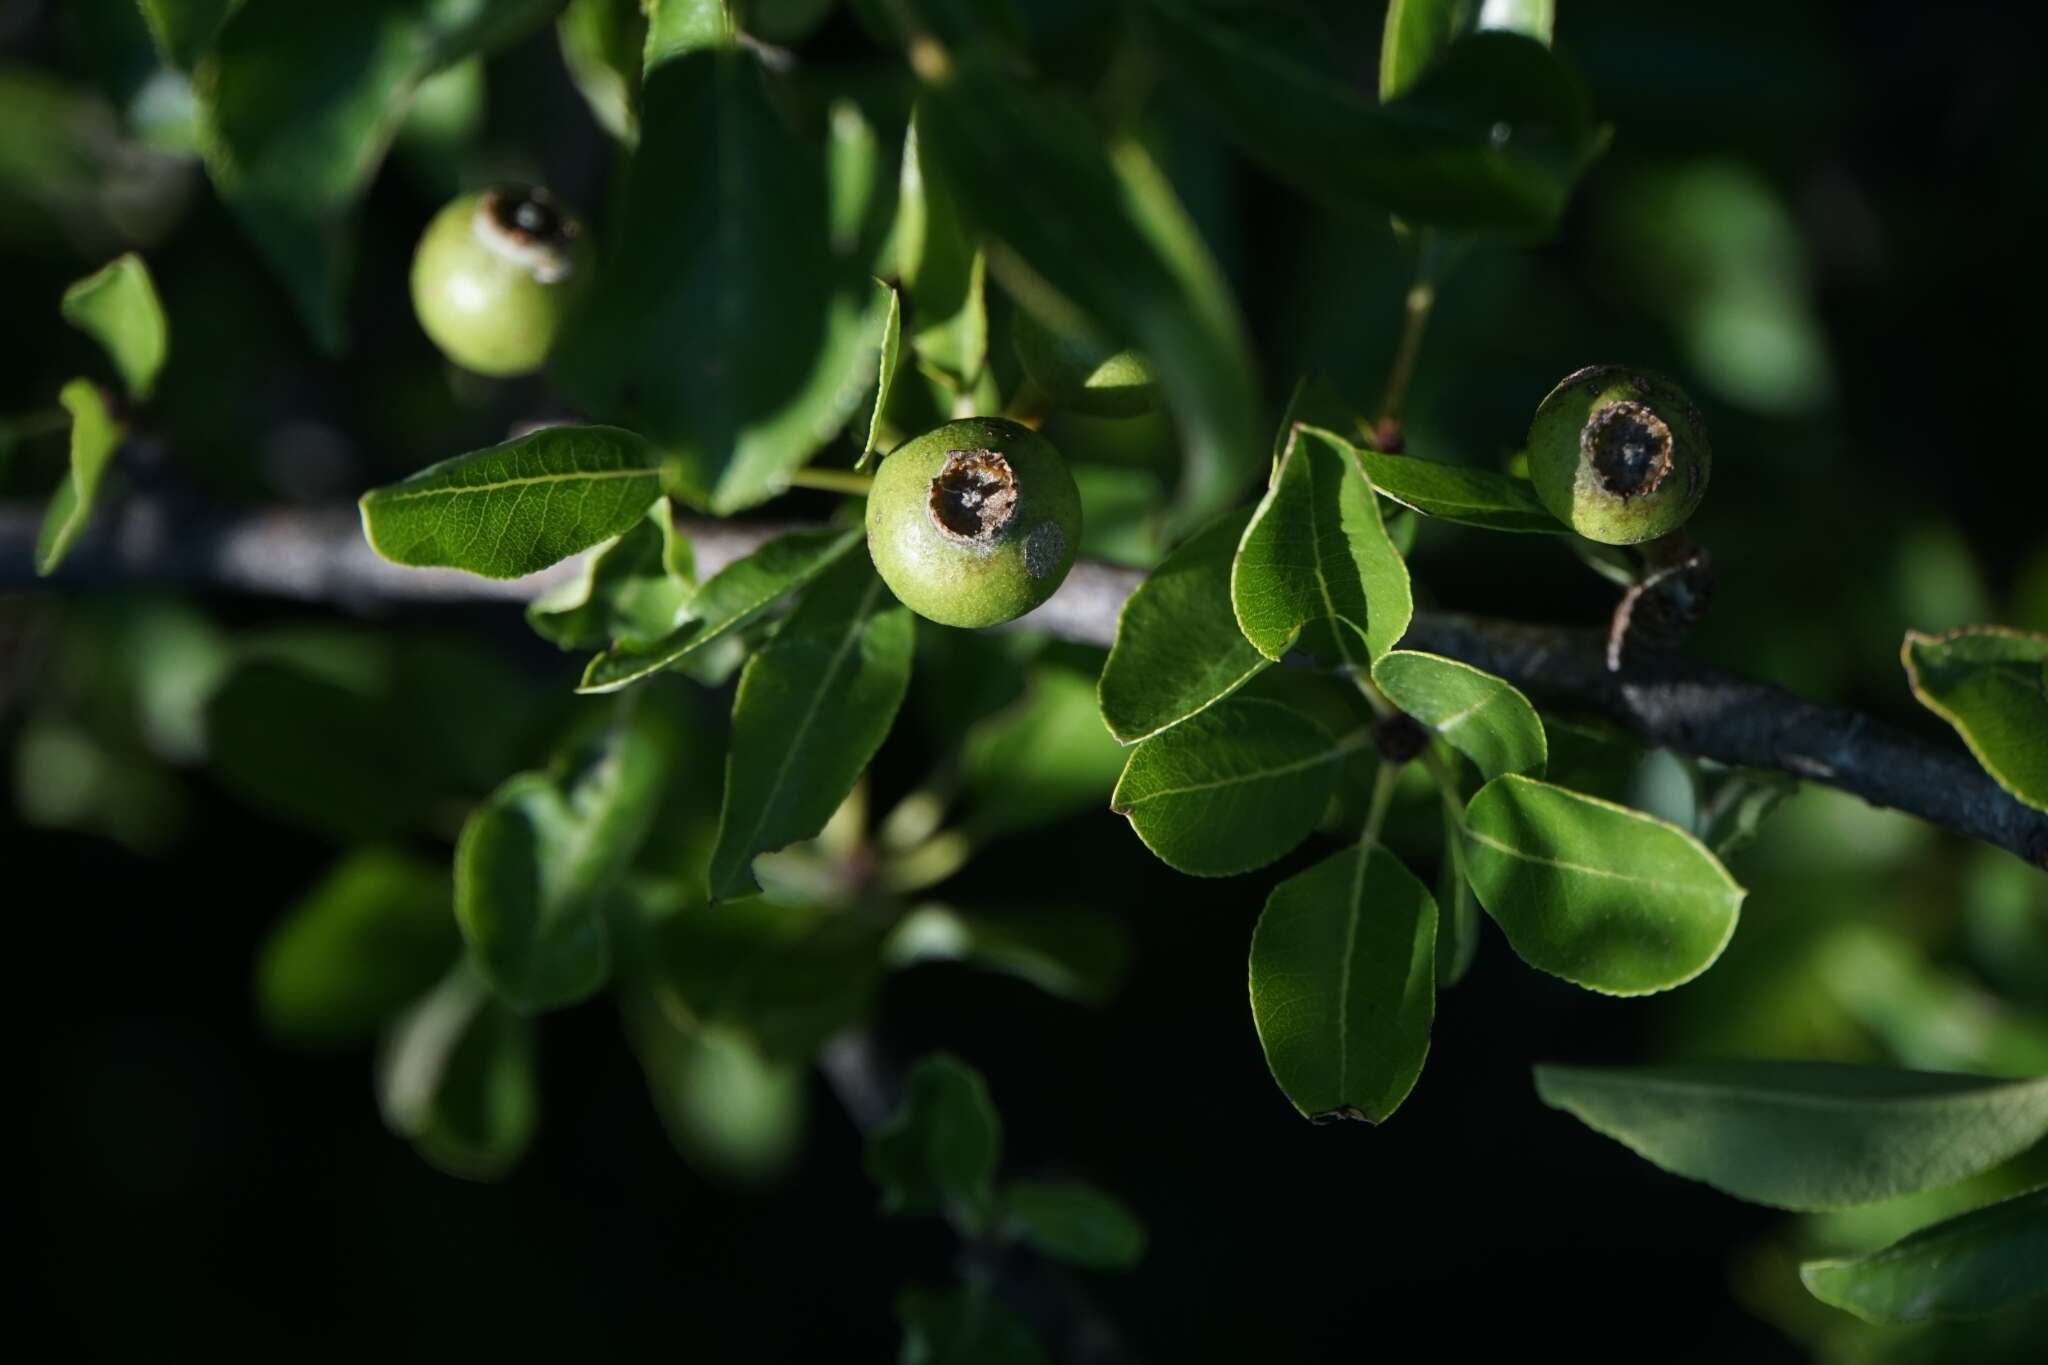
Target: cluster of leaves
column 802, row 267
column 939, row 1154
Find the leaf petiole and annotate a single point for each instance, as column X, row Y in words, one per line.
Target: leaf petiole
column 833, row 481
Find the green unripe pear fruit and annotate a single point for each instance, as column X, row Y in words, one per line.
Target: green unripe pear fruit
column 495, row 276
column 1081, row 376
column 974, row 523
column 1619, row 455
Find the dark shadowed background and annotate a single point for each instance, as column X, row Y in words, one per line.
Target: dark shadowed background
column 1823, row 218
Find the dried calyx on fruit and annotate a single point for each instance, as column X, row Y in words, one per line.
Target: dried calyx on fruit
column 495, row 276
column 974, row 523
column 1619, row 455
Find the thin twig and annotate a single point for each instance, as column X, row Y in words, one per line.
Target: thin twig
column 1673, row 703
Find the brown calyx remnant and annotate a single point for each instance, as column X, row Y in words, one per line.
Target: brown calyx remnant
column 973, row 496
column 1399, row 738
column 1629, row 447
column 528, row 215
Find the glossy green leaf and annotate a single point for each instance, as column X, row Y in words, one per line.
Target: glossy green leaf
column 1980, row 1262
column 1080, row 954
column 537, row 859
column 1178, row 648
column 677, row 27
column 1040, row 761
column 1343, row 984
column 1317, row 554
column 1120, row 257
column 1805, row 1135
column 1074, row 1222
column 1606, row 897
column 603, row 45
column 1419, row 31
column 811, row 710
column 455, row 1075
column 1490, row 139
column 117, row 306
column 1483, row 717
column 628, row 594
column 373, row 936
column 728, row 324
column 183, row 29
column 1448, row 492
column 1232, row 789
column 516, row 508
column 297, row 106
column 728, row 600
column 944, row 270
column 938, row 1153
column 964, row 1326
column 888, row 357
column 785, row 977
column 95, row 435
column 1991, row 684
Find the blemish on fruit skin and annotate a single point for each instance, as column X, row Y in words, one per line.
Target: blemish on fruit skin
column 1045, row 549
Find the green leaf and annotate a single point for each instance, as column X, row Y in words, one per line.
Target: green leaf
column 371, row 938
column 117, row 307
column 1457, row 923
column 965, row 1326
column 628, row 594
column 1805, row 1135
column 183, row 29
column 812, row 709
column 731, row 1112
column 1316, row 553
column 516, row 508
column 298, row 105
column 1079, row 954
column 729, row 600
column 1606, row 897
column 729, row 324
column 1178, row 648
column 786, row 977
column 1991, row 684
column 1481, row 716
column 95, row 436
column 938, row 1153
column 1343, row 984
column 1119, row 258
column 536, row 860
column 1419, row 31
column 1491, row 139
column 677, row 27
column 1981, row 1262
column 603, row 45
column 1040, row 761
column 1448, row 492
column 1074, row 1222
column 455, row 1075
column 1232, row 789
column 888, row 355
column 943, row 269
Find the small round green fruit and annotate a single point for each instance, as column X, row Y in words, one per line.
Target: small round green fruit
column 495, row 276
column 1081, row 376
column 974, row 523
column 1619, row 455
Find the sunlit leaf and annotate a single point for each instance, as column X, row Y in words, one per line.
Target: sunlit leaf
column 516, row 508
column 95, row 435
column 1481, row 716
column 1601, row 895
column 117, row 306
column 1805, row 1135
column 1991, row 684
column 455, row 1075
column 1984, row 1261
column 1343, row 984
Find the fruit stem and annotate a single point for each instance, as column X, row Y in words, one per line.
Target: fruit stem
column 1415, row 311
column 833, row 480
